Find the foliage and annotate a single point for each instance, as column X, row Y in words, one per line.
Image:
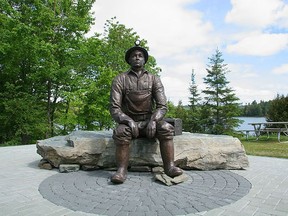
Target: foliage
column 215, row 113
column 23, row 115
column 278, row 109
column 255, row 109
column 220, row 101
column 52, row 78
column 171, row 110
column 38, row 41
column 192, row 123
column 104, row 59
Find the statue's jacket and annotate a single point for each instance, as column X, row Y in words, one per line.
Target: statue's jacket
column 137, row 98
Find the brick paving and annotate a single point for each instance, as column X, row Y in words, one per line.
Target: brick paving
column 92, row 192
column 21, row 182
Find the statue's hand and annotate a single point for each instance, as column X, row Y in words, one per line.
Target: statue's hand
column 134, row 129
column 151, row 129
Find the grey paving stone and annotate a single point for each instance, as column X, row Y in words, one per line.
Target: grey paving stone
column 140, row 194
column 18, row 189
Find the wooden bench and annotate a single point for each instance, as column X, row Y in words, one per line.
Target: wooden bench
column 275, row 130
column 247, row 132
column 266, row 130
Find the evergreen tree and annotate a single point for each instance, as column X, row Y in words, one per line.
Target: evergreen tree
column 194, row 95
column 182, row 113
column 255, row 109
column 278, row 109
column 220, row 105
column 194, row 106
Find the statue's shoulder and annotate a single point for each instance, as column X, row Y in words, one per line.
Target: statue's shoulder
column 154, row 77
column 121, row 75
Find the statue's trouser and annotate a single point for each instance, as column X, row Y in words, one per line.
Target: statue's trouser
column 122, row 161
column 122, row 137
column 167, row 154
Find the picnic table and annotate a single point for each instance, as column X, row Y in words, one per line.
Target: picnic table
column 262, row 127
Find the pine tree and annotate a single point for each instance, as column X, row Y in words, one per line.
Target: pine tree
column 278, row 109
column 194, row 106
column 220, row 101
column 195, row 96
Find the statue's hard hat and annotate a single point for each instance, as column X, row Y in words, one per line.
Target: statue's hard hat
column 136, row 47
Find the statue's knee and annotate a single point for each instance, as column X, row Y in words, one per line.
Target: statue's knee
column 122, row 133
column 165, row 130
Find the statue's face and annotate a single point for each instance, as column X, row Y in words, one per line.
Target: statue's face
column 137, row 59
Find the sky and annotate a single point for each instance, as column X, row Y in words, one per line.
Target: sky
column 251, row 35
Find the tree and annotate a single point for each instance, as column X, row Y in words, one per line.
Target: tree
column 278, row 109
column 171, row 113
column 98, row 61
column 220, row 105
column 193, row 124
column 255, row 109
column 194, row 95
column 52, row 78
column 38, row 39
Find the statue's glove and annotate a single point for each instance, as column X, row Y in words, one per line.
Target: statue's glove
column 134, row 128
column 151, row 129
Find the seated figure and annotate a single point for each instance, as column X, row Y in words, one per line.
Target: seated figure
column 138, row 104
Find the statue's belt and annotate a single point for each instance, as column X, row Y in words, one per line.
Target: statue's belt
column 141, row 117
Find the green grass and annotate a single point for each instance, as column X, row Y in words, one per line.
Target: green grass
column 269, row 147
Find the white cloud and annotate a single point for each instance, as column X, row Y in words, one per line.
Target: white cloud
column 169, row 27
column 249, row 85
column 177, row 78
column 283, row 69
column 178, row 38
column 242, row 71
column 182, row 39
column 260, row 44
column 256, row 13
column 178, row 90
column 283, row 17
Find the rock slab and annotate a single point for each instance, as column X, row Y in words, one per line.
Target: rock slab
column 192, row 151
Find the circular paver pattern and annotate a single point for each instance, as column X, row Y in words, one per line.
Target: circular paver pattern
column 92, row 192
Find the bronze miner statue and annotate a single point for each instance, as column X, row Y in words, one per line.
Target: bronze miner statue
column 138, row 105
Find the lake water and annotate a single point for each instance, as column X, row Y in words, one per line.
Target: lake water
column 245, row 126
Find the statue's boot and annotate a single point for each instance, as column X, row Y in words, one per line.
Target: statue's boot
column 122, row 160
column 167, row 153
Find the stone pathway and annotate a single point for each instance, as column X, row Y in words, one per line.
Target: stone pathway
column 21, row 184
column 92, row 192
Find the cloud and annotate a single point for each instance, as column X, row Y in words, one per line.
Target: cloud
column 241, row 71
column 258, row 18
column 169, row 27
column 283, row 69
column 181, row 37
column 176, row 78
column 260, row 44
column 257, row 13
column 178, row 37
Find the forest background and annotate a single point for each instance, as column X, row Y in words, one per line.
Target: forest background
column 54, row 80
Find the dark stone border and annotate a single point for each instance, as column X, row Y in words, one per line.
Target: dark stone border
column 92, row 192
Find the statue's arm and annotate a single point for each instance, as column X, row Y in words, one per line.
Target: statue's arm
column 116, row 96
column 161, row 107
column 160, row 100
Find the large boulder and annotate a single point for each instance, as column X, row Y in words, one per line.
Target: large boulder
column 192, row 151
